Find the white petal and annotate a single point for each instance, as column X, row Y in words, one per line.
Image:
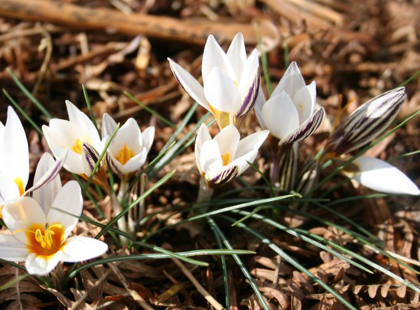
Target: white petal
column 280, row 115
column 78, row 249
column 221, row 92
column 259, row 104
column 15, row 149
column 108, row 125
column 81, row 119
column 22, row 213
column 42, row 265
column 1, row 145
column 303, row 103
column 242, row 162
column 189, row 83
column 67, row 207
column 148, row 135
column 210, row 157
column 12, row 249
column 228, row 140
column 291, row 81
column 45, row 194
column 251, row 143
column 237, row 55
column 8, row 189
column 203, row 135
column 213, row 57
column 128, row 134
column 381, row 176
column 249, row 83
column 312, row 92
column 135, row 163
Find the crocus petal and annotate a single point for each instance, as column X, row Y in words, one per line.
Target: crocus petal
column 306, row 129
column 251, row 143
column 291, row 81
column 128, row 134
column 1, row 145
column 258, row 107
column 108, row 125
column 304, row 104
column 243, row 162
column 189, row 83
column 280, row 115
column 12, row 249
column 78, row 249
column 42, row 265
column 221, row 92
column 249, row 84
column 222, row 176
column 214, row 56
column 89, row 158
column 115, row 165
column 81, row 119
column 67, row 207
column 237, row 55
column 203, row 135
column 368, row 122
column 47, row 182
column 228, row 140
column 22, row 213
column 15, row 149
column 136, row 162
column 210, row 157
column 8, row 189
column 148, row 135
column 382, row 177
column 311, row 88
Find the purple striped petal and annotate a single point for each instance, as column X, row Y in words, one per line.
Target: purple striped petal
column 89, row 158
column 368, row 122
column 306, row 129
column 224, row 176
column 111, row 163
column 249, row 100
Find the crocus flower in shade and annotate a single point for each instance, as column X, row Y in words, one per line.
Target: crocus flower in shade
column 289, row 113
column 223, row 158
column 231, row 81
column 40, row 230
column 367, row 122
column 70, row 135
column 380, row 176
column 129, row 148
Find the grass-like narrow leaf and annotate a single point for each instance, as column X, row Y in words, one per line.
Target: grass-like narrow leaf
column 239, row 262
column 89, row 106
column 151, row 111
column 13, row 282
column 21, row 111
column 264, row 63
column 134, row 203
column 293, row 262
column 29, row 95
column 98, row 163
column 183, row 255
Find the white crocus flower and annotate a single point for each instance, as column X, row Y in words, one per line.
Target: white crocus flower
column 14, row 161
column 231, row 81
column 380, row 176
column 70, row 135
column 40, row 229
column 129, row 148
column 223, row 158
column 289, row 113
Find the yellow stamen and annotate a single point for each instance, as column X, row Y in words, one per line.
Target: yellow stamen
column 125, row 154
column 19, row 183
column 225, row 159
column 44, row 240
column 77, row 147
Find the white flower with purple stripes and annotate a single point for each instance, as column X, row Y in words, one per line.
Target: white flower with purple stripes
column 231, row 81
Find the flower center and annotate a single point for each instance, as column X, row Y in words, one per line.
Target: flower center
column 45, row 240
column 125, row 154
column 19, row 183
column 225, row 159
column 77, row 147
